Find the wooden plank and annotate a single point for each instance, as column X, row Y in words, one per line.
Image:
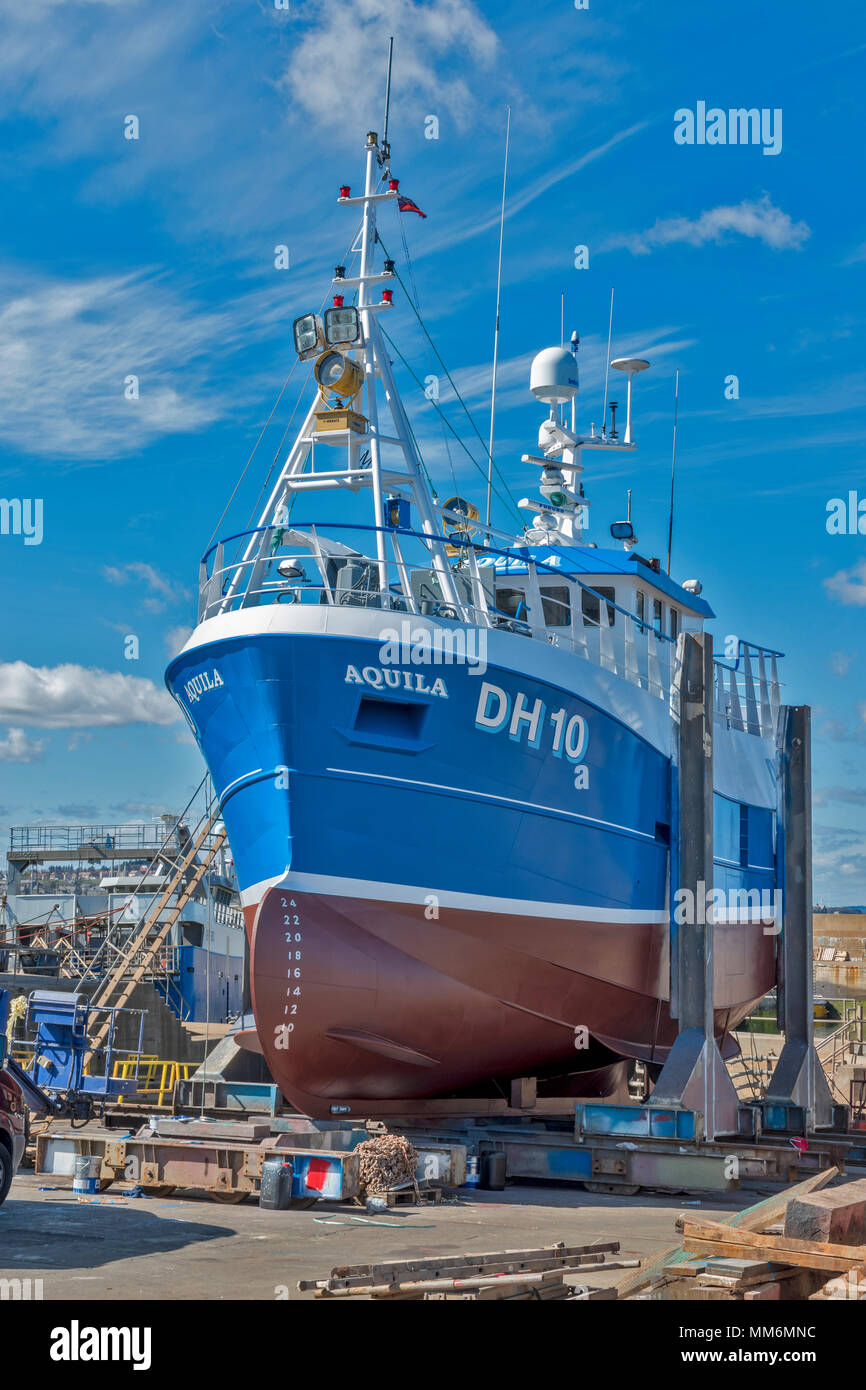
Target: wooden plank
column 713, row 1238
column 825, row 1264
column 755, row 1218
column 754, row 1240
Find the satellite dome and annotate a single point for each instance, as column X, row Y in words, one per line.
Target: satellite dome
column 553, row 377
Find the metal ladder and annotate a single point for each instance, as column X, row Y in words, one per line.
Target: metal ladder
column 124, row 976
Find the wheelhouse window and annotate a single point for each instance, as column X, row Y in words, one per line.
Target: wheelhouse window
column 658, row 616
column 641, row 608
column 512, row 602
column 590, row 606
column 674, row 623
column 556, row 605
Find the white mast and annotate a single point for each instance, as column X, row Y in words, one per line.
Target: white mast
column 368, row 241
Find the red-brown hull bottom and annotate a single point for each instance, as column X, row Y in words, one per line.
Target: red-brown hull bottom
column 357, row 999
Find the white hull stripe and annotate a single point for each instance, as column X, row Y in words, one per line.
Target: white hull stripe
column 328, row 885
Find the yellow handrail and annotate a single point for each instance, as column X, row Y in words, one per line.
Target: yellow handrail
column 154, row 1076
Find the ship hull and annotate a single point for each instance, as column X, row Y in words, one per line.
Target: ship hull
column 368, row 1000
column 478, row 859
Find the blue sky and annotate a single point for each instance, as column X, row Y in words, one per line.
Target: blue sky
column 155, row 258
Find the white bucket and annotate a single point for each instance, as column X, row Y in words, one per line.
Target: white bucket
column 85, row 1175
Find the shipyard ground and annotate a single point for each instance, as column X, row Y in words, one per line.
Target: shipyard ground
column 117, row 1248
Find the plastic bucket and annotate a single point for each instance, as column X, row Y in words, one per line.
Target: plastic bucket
column 85, row 1175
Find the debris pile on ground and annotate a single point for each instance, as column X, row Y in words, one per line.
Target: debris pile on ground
column 386, row 1161
column 806, row 1243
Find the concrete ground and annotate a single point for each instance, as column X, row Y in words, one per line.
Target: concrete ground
column 113, row 1248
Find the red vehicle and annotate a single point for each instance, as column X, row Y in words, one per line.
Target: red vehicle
column 12, row 1131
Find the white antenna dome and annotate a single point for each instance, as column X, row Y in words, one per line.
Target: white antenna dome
column 553, row 377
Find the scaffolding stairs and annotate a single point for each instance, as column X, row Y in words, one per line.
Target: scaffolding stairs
column 136, row 960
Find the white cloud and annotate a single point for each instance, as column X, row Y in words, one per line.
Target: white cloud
column 338, row 64
column 760, row 220
column 18, row 747
column 849, row 586
column 79, row 697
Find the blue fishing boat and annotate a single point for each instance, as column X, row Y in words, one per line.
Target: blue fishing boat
column 445, row 753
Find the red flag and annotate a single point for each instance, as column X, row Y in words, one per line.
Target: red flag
column 406, row 205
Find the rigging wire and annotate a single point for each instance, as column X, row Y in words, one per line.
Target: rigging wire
column 252, row 455
column 505, row 501
column 452, row 383
column 417, row 300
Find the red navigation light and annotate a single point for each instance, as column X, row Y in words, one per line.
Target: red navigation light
column 393, row 185
column 387, row 296
column 345, row 190
column 338, row 301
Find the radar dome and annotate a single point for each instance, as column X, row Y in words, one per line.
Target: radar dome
column 553, row 377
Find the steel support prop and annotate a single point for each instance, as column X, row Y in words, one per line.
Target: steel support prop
column 798, row 1079
column 695, row 1077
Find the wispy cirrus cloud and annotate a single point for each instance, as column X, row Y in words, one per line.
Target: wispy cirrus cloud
column 79, row 697
column 160, row 590
column 760, row 220
column 521, row 198
column 849, row 796
column 69, row 347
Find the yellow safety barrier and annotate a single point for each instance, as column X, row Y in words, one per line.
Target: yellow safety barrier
column 153, row 1076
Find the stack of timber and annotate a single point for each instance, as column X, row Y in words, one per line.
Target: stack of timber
column 806, row 1243
column 503, row 1275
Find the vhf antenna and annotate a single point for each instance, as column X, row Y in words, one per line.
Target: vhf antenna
column 673, row 468
column 607, row 370
column 496, row 329
column 387, row 98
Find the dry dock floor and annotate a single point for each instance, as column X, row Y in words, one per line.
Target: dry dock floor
column 113, row 1247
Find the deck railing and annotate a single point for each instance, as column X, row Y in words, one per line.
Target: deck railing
column 458, row 582
column 748, row 691
column 97, row 837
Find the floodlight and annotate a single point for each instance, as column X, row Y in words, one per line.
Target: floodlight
column 309, row 337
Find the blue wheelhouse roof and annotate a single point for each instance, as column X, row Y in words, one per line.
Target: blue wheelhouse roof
column 598, row 563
